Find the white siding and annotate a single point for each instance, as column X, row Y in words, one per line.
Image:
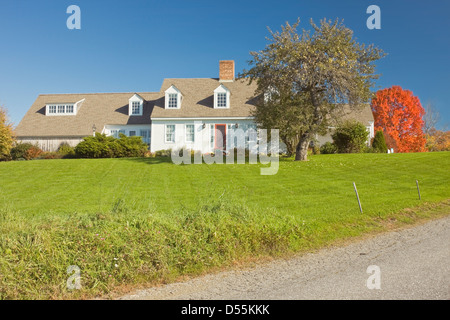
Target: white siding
column 202, row 136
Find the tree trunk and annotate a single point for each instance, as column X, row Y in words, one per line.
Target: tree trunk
column 301, row 152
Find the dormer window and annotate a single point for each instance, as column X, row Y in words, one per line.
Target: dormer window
column 221, row 97
column 173, row 98
column 61, row 109
column 173, row 101
column 135, row 108
column 136, row 105
column 221, row 100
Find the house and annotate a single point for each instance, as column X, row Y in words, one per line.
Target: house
column 197, row 113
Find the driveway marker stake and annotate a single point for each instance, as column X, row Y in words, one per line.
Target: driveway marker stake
column 357, row 196
column 418, row 190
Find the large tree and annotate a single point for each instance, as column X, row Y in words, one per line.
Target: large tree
column 310, row 76
column 400, row 115
column 6, row 135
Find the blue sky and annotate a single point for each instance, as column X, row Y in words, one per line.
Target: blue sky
column 130, row 46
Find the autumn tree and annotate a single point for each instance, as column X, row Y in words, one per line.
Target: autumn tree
column 305, row 77
column 6, row 135
column 438, row 140
column 400, row 115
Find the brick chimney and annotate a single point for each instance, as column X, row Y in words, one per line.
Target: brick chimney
column 226, row 70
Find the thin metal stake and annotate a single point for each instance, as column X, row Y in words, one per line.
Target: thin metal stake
column 418, row 190
column 357, row 196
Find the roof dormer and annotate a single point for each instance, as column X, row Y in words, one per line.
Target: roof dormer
column 135, row 105
column 173, row 98
column 63, row 109
column 221, row 97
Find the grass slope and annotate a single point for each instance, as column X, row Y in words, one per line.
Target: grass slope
column 134, row 221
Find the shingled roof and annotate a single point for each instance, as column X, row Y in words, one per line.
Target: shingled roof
column 198, row 99
column 112, row 108
column 98, row 108
column 362, row 113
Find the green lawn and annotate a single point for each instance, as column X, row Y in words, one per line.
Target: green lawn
column 164, row 220
column 311, row 189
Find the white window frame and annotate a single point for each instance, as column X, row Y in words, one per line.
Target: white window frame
column 52, row 109
column 135, row 108
column 173, row 101
column 173, row 133
column 186, row 132
column 172, row 91
column 131, row 104
column 218, row 91
column 59, row 109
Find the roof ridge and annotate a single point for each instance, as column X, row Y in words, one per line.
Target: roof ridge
column 96, row 93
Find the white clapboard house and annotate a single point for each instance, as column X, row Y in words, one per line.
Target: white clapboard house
column 194, row 113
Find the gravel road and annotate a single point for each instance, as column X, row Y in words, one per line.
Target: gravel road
column 413, row 264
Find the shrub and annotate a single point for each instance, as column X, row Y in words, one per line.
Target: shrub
column 95, row 147
column 313, row 150
column 379, row 143
column 51, row 155
column 25, row 151
column 66, row 151
column 328, row 148
column 163, row 153
column 350, row 137
column 131, row 146
column 102, row 146
column 6, row 136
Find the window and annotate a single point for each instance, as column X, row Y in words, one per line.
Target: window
column 136, row 108
column 252, row 133
column 135, row 105
column 173, row 101
column 115, row 133
column 212, row 132
column 221, row 100
column 172, row 98
column 190, row 133
column 69, row 108
column 145, row 134
column 170, row 133
column 132, row 133
column 221, row 97
column 61, row 108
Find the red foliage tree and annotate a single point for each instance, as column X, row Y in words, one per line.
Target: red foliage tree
column 399, row 114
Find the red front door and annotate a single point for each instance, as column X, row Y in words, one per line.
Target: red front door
column 221, row 137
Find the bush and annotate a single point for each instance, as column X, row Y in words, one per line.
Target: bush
column 379, row 143
column 163, row 153
column 66, row 151
column 131, row 146
column 102, row 146
column 95, row 147
column 350, row 137
column 328, row 148
column 51, row 155
column 6, row 136
column 25, row 151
